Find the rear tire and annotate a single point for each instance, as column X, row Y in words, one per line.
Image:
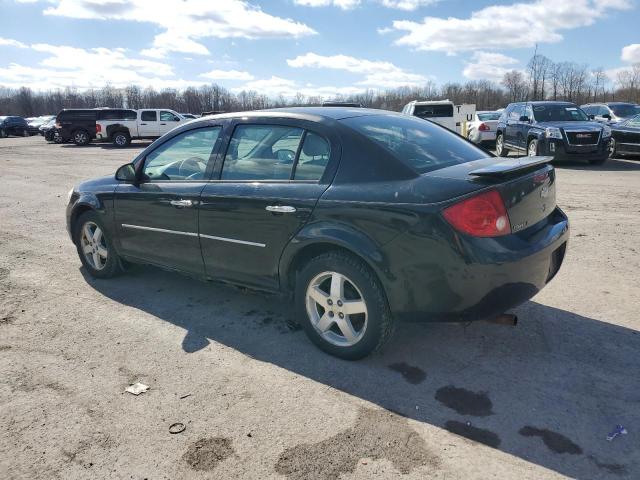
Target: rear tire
column 501, row 150
column 95, row 248
column 121, row 139
column 356, row 305
column 25, row 133
column 612, row 149
column 532, row 148
column 81, row 137
column 3, row 134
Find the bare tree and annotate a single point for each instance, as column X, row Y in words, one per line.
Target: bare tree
column 516, row 86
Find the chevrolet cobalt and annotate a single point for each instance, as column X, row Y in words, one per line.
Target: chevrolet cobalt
column 363, row 217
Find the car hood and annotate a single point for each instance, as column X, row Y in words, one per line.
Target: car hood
column 585, row 126
column 108, row 182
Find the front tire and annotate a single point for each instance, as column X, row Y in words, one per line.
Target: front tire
column 532, row 148
column 25, row 133
column 121, row 139
column 612, row 149
column 3, row 134
column 342, row 306
column 501, row 150
column 81, row 138
column 95, row 247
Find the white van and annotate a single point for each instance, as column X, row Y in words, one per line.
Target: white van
column 442, row 112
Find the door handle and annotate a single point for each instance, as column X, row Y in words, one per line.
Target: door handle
column 143, row 124
column 181, row 203
column 163, row 124
column 280, row 209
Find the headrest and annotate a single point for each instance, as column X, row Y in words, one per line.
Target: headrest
column 315, row 146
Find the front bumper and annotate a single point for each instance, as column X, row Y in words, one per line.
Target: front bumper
column 560, row 150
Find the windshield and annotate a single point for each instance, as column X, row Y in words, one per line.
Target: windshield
column 559, row 113
column 419, row 143
column 485, row 117
column 623, row 110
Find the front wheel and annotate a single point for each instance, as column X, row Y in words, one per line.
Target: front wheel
column 532, row 148
column 342, row 306
column 500, row 148
column 3, row 134
column 612, row 148
column 121, row 139
column 25, row 133
column 95, row 247
column 81, row 137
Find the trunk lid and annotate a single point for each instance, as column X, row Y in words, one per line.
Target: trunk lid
column 527, row 185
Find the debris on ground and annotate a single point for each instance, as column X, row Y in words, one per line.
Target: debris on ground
column 619, row 430
column 185, row 396
column 176, row 428
column 137, row 388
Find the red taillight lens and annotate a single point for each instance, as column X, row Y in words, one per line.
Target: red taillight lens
column 481, row 216
column 484, row 127
column 98, row 128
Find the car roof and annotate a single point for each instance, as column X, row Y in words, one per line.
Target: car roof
column 303, row 113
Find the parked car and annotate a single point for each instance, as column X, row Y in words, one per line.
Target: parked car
column 559, row 129
column 438, row 111
column 50, row 132
column 483, row 127
column 120, row 126
column 35, row 123
column 12, row 125
column 612, row 112
column 189, row 116
column 342, row 104
column 625, row 137
column 364, row 218
column 77, row 125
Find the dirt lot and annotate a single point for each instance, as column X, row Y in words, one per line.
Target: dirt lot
column 259, row 401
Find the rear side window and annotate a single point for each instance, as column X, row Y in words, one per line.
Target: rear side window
column 429, row 111
column 77, row 115
column 148, row 116
column 261, row 152
column 313, row 159
column 422, row 145
column 117, row 114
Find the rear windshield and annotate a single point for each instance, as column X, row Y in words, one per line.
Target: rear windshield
column 419, row 143
column 430, row 111
column 559, row 113
column 485, row 117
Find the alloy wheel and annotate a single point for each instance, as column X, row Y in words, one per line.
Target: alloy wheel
column 80, row 138
column 94, row 245
column 533, row 148
column 499, row 145
column 121, row 140
column 336, row 308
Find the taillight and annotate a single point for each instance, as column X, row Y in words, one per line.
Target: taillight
column 483, row 215
column 98, row 128
column 484, row 127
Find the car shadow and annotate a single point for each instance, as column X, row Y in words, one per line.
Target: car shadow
column 611, row 165
column 547, row 391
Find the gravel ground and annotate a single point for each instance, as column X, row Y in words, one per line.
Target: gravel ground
column 259, row 401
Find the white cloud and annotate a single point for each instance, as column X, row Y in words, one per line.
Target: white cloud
column 8, row 42
column 408, row 5
column 378, row 74
column 631, row 53
column 518, row 25
column 276, row 86
column 343, row 4
column 488, row 66
column 227, row 75
column 186, row 21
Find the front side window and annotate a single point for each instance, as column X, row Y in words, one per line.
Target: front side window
column 184, row 157
column 516, row 112
column 422, row 145
column 149, row 116
column 168, row 117
column 261, row 152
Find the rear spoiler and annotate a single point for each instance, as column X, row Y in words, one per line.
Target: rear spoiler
column 509, row 166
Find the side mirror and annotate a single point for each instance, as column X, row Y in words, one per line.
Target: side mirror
column 592, row 117
column 524, row 118
column 126, row 173
column 607, row 116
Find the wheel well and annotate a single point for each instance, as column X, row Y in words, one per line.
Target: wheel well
column 307, row 253
column 76, row 214
column 113, row 129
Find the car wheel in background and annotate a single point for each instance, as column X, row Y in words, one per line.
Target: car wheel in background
column 95, row 248
column 3, row 134
column 25, row 133
column 342, row 306
column 532, row 147
column 612, row 148
column 121, row 139
column 57, row 138
column 81, row 137
column 500, row 148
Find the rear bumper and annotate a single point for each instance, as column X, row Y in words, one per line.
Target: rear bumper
column 479, row 278
column 478, row 136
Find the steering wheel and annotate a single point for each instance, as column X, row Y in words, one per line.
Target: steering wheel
column 189, row 165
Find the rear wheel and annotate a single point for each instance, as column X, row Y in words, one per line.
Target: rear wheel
column 95, row 248
column 25, row 133
column 121, row 139
column 81, row 137
column 342, row 306
column 500, row 148
column 612, row 148
column 532, row 147
column 3, row 134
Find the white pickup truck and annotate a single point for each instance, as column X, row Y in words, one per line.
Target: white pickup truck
column 120, row 126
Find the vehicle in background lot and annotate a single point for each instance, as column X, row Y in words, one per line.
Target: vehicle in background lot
column 612, row 112
column 77, row 125
column 50, row 132
column 36, row 122
column 625, row 137
column 12, row 125
column 364, row 217
column 483, row 127
column 342, row 104
column 442, row 112
column 212, row 112
column 120, row 126
column 558, row 129
column 188, row 115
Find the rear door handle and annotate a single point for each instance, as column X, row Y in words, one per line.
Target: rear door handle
column 181, row 203
column 280, row 209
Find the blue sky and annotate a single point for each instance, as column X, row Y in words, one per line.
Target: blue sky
column 316, row 47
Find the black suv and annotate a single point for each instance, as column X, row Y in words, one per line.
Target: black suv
column 13, row 126
column 78, row 125
column 558, row 129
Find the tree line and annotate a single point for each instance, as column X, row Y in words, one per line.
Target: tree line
column 542, row 79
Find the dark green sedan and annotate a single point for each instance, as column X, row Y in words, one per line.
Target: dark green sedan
column 362, row 217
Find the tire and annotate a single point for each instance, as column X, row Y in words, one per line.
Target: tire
column 501, row 150
column 612, row 149
column 532, row 147
column 3, row 134
column 81, row 137
column 25, row 133
column 370, row 327
column 57, row 138
column 109, row 264
column 121, row 139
